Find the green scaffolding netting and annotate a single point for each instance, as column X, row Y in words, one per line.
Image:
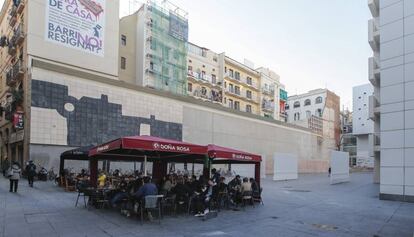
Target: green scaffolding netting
column 169, row 44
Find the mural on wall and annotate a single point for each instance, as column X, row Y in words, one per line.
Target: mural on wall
column 94, row 121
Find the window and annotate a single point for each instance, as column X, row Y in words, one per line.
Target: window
column 248, row 108
column 225, row 100
column 286, row 106
column 307, row 102
column 297, row 116
column 153, row 45
column 249, row 81
column 318, row 112
column 231, row 104
column 190, row 87
column 215, row 59
column 213, row 78
column 123, row 40
column 237, row 75
column 204, row 52
column 231, row 89
column 190, row 68
column 237, row 90
column 248, row 94
column 237, row 105
column 318, row 100
column 231, row 73
column 123, row 63
column 308, row 114
column 203, row 74
column 296, row 104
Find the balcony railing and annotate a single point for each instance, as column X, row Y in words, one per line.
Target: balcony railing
column 374, row 7
column 213, row 96
column 20, row 7
column 373, row 34
column 374, row 71
column 15, row 73
column 13, row 16
column 374, row 142
column 203, row 77
column 268, row 106
column 18, row 36
column 373, row 107
column 268, row 91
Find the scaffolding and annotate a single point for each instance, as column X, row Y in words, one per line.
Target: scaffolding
column 166, row 47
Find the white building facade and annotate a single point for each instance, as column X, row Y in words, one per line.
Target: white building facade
column 363, row 126
column 391, row 71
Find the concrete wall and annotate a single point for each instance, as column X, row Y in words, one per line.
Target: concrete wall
column 397, row 99
column 88, row 110
column 38, row 46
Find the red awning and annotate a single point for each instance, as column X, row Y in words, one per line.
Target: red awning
column 224, row 153
column 149, row 143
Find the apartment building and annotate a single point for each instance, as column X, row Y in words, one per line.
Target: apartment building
column 31, row 37
column 273, row 95
column 205, row 76
column 318, row 110
column 241, row 87
column 13, row 67
column 363, row 126
column 391, row 107
column 153, row 47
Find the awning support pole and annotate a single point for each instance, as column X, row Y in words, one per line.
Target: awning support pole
column 145, row 165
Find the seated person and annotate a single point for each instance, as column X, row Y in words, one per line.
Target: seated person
column 255, row 186
column 120, row 194
column 167, row 185
column 245, row 186
column 233, row 188
column 147, row 189
column 101, row 179
column 182, row 191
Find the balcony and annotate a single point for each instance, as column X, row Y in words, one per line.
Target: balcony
column 373, row 6
column 18, row 36
column 12, row 48
column 374, row 71
column 374, row 143
column 268, row 91
column 212, row 96
column 373, row 34
column 268, row 106
column 373, row 107
column 13, row 16
column 20, row 7
column 15, row 73
column 204, row 78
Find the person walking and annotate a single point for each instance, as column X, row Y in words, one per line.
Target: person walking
column 31, row 172
column 14, row 176
column 5, row 166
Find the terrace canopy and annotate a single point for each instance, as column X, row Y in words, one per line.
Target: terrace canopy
column 81, row 153
column 147, row 148
column 224, row 155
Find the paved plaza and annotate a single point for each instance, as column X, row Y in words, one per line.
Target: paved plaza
column 305, row 207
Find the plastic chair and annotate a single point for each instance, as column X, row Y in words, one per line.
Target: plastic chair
column 151, row 203
column 257, row 196
column 247, row 197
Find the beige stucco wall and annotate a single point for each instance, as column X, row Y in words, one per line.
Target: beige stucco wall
column 39, row 47
column 128, row 28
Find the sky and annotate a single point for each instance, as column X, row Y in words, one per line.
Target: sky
column 309, row 43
